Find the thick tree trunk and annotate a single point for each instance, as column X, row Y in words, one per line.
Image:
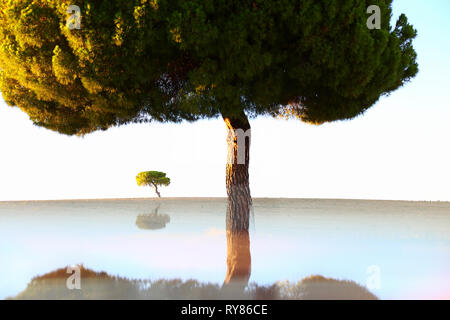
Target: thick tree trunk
column 237, row 178
column 239, row 201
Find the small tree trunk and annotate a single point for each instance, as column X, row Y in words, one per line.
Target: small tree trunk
column 239, row 201
column 157, row 191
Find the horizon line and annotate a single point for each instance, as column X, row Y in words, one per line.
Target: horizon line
column 221, row 198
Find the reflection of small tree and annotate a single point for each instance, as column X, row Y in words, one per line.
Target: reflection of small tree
column 152, row 221
column 152, row 179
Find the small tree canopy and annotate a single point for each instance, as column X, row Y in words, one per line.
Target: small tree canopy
column 152, row 179
column 173, row 60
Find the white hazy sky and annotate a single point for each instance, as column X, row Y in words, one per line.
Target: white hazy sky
column 398, row 150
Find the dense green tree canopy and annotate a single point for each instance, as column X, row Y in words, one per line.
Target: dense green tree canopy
column 173, row 60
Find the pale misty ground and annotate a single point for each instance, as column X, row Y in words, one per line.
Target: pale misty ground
column 291, row 239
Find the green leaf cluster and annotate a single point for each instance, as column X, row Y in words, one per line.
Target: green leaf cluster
column 174, row 60
column 152, row 178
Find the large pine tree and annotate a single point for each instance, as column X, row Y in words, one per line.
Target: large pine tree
column 174, row 60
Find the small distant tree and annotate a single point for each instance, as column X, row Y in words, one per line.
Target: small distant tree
column 153, row 179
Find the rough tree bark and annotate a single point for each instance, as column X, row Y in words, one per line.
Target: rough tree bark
column 239, row 199
column 237, row 178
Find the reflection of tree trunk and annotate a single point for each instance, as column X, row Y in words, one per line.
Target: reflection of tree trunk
column 237, row 178
column 238, row 258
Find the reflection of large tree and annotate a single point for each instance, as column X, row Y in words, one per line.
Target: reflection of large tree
column 100, row 285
